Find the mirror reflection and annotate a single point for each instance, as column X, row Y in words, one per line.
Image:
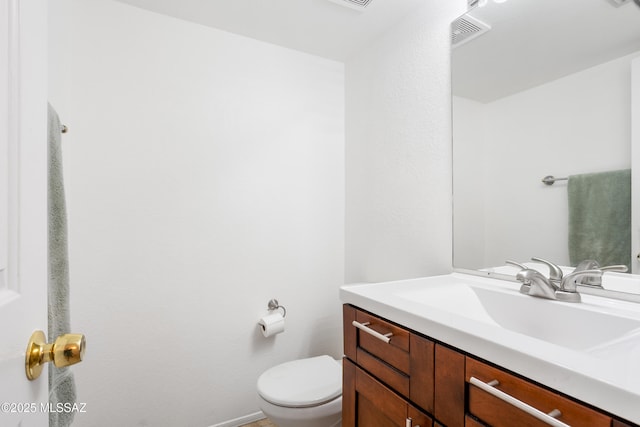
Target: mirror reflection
column 544, row 88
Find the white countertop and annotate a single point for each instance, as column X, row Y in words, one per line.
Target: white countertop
column 607, row 377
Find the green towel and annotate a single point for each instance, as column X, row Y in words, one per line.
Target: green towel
column 600, row 217
column 61, row 383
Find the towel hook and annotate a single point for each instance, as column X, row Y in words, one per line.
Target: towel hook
column 275, row 305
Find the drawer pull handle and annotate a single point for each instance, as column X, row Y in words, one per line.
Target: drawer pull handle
column 546, row 418
column 363, row 327
column 409, row 423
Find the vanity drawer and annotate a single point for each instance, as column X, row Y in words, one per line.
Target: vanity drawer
column 405, row 363
column 395, row 352
column 497, row 412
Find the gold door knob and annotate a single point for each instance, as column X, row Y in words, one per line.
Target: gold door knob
column 67, row 349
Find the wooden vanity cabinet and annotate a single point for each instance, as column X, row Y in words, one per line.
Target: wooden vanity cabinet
column 412, row 377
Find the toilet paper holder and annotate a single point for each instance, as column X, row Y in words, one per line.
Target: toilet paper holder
column 275, row 305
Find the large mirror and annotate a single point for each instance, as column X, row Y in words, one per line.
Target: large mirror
column 540, row 87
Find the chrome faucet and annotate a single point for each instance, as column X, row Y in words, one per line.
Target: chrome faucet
column 555, row 272
column 557, row 286
column 596, row 281
column 567, row 284
column 534, row 283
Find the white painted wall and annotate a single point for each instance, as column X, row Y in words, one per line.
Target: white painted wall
column 398, row 156
column 204, row 175
column 578, row 124
column 469, row 171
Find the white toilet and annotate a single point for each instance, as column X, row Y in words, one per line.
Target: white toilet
column 303, row 393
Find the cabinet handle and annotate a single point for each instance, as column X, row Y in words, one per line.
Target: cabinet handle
column 363, row 327
column 546, row 418
column 409, row 423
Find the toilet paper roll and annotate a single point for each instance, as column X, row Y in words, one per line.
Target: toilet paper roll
column 271, row 324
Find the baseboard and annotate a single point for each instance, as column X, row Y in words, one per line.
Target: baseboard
column 237, row 422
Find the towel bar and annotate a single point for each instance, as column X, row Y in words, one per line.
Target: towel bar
column 550, row 179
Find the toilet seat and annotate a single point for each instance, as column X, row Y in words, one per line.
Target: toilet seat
column 302, row 383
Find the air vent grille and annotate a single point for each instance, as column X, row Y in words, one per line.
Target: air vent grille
column 353, row 4
column 465, row 29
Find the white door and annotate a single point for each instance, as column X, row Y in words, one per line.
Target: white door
column 23, row 206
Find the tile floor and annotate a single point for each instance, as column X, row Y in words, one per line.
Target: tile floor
column 260, row 423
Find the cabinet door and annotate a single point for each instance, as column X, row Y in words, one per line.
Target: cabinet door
column 449, row 386
column 368, row 403
column 348, row 393
column 376, row 405
column 422, row 372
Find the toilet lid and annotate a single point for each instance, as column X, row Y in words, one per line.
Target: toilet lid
column 302, row 383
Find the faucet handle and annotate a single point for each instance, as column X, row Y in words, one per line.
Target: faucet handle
column 587, row 264
column 615, row 268
column 516, row 264
column 590, row 264
column 555, row 272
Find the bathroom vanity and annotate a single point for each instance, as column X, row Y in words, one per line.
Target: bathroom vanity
column 461, row 350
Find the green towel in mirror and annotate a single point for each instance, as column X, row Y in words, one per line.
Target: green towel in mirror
column 600, row 217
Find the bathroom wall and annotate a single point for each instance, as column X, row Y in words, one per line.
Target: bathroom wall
column 204, row 175
column 469, row 148
column 577, row 124
column 398, row 155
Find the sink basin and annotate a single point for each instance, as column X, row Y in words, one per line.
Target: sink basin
column 577, row 326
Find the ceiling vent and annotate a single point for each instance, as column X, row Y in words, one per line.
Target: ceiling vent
column 465, row 29
column 353, row 4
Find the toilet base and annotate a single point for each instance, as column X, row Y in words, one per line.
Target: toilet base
column 326, row 415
